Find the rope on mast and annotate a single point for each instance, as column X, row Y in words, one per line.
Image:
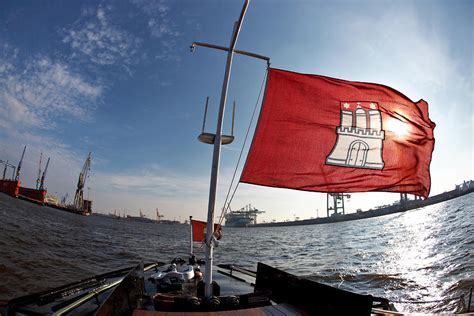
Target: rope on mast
column 224, row 208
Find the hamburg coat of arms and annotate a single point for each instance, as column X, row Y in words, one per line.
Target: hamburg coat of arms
column 360, row 136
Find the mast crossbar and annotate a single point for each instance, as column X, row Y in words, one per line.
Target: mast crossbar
column 226, row 49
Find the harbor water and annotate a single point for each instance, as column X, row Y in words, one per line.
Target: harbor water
column 422, row 260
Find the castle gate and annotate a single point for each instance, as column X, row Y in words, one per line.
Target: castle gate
column 357, row 154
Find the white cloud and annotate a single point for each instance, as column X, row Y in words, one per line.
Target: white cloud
column 161, row 26
column 8, row 54
column 103, row 42
column 159, row 21
column 39, row 91
column 15, row 112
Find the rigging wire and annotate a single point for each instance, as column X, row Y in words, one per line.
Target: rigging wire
column 224, row 208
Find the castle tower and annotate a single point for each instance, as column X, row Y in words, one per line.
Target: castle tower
column 361, row 118
column 375, row 120
column 346, row 118
column 358, row 145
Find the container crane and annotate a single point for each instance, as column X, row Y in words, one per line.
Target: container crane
column 41, row 184
column 79, row 197
column 335, row 203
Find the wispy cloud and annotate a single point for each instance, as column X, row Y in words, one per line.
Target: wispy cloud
column 159, row 22
column 12, row 111
column 153, row 181
column 161, row 26
column 36, row 92
column 8, row 55
column 103, row 42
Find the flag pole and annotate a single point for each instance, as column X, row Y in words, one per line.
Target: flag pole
column 191, row 250
column 216, row 157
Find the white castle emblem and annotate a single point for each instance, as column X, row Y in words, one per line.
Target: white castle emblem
column 359, row 142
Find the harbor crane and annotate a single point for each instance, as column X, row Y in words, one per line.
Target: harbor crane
column 38, row 179
column 17, row 177
column 7, row 165
column 158, row 216
column 64, row 198
column 79, row 197
column 41, row 183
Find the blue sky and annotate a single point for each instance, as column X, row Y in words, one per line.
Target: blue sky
column 117, row 79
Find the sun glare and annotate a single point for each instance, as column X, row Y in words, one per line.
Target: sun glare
column 399, row 128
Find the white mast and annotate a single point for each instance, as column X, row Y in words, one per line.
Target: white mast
column 218, row 141
column 216, row 156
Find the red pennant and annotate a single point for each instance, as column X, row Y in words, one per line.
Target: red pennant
column 199, row 230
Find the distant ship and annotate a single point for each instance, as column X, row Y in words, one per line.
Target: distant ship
column 39, row 195
column 246, row 216
column 159, row 220
column 141, row 218
column 13, row 186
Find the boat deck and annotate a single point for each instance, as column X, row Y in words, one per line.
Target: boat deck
column 132, row 292
column 274, row 310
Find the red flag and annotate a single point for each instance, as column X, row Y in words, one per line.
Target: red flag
column 323, row 134
column 199, row 230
